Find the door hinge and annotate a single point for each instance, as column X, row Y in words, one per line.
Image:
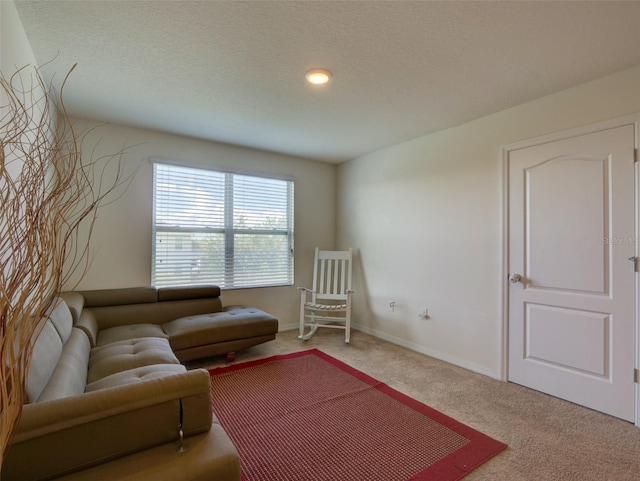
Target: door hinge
column 636, row 155
column 636, row 376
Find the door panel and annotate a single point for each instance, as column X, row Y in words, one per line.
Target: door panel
column 548, row 190
column 549, row 338
column 571, row 232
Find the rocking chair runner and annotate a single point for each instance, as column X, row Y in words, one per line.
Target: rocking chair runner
column 328, row 303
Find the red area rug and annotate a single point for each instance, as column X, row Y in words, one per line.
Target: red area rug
column 309, row 417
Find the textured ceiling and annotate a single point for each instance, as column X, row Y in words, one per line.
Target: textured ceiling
column 233, row 71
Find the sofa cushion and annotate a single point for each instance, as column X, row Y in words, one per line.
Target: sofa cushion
column 237, row 322
column 69, row 377
column 131, row 331
column 128, row 354
column 46, row 353
column 153, row 312
column 62, row 320
column 133, row 376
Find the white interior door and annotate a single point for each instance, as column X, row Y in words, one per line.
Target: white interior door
column 571, row 234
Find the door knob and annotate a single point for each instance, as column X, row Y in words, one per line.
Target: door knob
column 515, row 278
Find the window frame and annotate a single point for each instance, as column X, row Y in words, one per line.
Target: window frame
column 229, row 231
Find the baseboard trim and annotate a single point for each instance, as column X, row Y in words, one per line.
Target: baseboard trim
column 288, row 327
column 430, row 352
column 415, row 347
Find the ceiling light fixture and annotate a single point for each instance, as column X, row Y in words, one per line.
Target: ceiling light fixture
column 318, row 76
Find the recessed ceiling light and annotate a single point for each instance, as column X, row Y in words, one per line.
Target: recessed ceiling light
column 318, row 76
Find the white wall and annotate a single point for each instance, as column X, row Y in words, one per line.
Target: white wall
column 15, row 53
column 425, row 216
column 15, row 50
column 121, row 247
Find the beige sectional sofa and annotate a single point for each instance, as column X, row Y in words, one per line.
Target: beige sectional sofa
column 108, row 397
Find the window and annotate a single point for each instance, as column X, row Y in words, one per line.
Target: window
column 213, row 227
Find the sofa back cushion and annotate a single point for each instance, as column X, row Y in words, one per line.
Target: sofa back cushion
column 48, row 348
column 61, row 318
column 118, row 297
column 69, row 377
column 46, row 353
column 181, row 293
column 148, row 305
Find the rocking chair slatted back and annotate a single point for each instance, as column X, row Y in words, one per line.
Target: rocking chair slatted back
column 332, row 275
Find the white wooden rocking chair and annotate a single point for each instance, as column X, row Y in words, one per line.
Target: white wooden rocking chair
column 328, row 303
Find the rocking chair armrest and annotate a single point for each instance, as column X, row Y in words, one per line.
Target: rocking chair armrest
column 304, row 294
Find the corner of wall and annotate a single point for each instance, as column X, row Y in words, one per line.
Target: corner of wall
column 16, row 51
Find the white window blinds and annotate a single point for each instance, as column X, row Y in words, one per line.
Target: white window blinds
column 221, row 228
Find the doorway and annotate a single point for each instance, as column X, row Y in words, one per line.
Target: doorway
column 571, row 261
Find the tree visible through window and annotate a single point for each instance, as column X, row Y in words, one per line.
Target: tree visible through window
column 221, row 228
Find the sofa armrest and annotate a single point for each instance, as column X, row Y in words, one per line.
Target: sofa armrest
column 73, row 433
column 89, row 325
column 75, row 301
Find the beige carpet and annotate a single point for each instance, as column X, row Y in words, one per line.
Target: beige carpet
column 549, row 439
